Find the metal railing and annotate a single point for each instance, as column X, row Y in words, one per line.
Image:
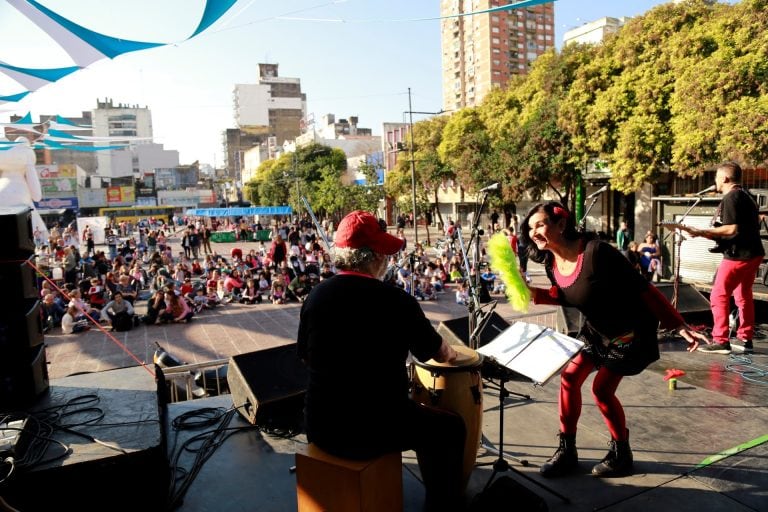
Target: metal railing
column 197, row 380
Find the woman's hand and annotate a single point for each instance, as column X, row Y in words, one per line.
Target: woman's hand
column 692, row 337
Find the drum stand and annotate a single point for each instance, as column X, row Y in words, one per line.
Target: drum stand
column 500, row 465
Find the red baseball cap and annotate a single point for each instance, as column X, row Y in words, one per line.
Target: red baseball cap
column 361, row 229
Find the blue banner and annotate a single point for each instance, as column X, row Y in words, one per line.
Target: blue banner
column 239, row 212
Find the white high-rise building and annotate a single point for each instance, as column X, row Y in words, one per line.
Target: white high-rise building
column 594, row 31
column 275, row 105
column 140, row 156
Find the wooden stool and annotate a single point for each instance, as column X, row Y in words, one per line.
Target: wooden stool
column 328, row 483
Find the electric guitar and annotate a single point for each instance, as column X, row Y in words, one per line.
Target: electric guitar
column 721, row 244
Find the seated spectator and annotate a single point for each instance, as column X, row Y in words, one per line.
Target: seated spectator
column 233, row 285
column 299, row 287
column 120, row 312
column 462, row 294
column 126, row 288
column 213, row 296
column 155, row 306
column 650, row 256
column 251, row 293
column 69, row 324
column 277, row 295
column 52, row 312
column 201, row 300
column 82, row 307
column 176, row 309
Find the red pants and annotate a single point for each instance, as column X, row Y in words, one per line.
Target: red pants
column 735, row 278
column 603, row 392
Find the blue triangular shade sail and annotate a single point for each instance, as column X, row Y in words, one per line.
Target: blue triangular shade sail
column 57, row 145
column 62, row 120
column 50, row 75
column 14, row 97
column 63, row 135
column 214, row 9
column 27, row 119
column 109, row 46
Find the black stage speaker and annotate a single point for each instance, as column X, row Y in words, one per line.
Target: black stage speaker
column 456, row 331
column 22, row 383
column 23, row 370
column 690, row 302
column 268, row 386
column 16, row 227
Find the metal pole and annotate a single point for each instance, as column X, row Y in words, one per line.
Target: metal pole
column 413, row 174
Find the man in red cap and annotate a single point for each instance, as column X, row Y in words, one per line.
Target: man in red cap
column 355, row 333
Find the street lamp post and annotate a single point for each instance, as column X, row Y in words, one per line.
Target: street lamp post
column 413, row 165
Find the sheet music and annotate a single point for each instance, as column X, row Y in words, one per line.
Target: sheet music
column 532, row 350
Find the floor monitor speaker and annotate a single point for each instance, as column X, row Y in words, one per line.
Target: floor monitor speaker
column 456, row 331
column 268, row 386
column 691, row 304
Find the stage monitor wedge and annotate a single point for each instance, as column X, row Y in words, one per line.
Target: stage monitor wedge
column 456, row 331
column 268, row 386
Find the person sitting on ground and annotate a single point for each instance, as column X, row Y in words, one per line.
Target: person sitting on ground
column 176, row 310
column 213, row 296
column 126, row 288
column 201, row 300
column 299, row 287
column 462, row 294
column 69, row 324
column 120, row 312
column 52, row 312
column 155, row 306
column 277, row 294
column 251, row 293
column 233, row 285
column 82, row 307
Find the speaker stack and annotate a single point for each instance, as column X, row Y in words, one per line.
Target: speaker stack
column 23, row 367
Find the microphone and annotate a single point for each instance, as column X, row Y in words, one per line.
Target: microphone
column 707, row 190
column 598, row 192
column 494, row 186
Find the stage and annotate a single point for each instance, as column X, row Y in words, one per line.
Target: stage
column 674, row 436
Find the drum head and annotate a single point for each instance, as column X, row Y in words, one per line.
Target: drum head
column 466, row 358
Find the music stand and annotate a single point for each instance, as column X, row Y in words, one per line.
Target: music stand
column 501, row 465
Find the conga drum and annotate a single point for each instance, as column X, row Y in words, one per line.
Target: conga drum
column 458, row 387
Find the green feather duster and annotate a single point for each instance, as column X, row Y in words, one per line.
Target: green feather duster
column 504, row 261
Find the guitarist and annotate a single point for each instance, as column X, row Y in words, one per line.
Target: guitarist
column 736, row 222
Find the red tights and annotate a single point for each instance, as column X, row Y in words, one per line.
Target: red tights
column 603, row 391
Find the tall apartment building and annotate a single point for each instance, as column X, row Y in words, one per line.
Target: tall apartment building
column 483, row 51
column 270, row 111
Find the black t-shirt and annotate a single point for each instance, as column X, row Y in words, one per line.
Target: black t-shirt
column 737, row 207
column 355, row 333
column 609, row 292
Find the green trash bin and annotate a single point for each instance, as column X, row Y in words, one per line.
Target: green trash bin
column 263, row 235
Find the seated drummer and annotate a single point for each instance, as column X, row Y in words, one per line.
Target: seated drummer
column 355, row 333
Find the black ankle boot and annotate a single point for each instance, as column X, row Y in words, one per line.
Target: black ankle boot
column 565, row 459
column 618, row 461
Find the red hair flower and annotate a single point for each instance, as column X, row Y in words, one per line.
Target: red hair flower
column 560, row 212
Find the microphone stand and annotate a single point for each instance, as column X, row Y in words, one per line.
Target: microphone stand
column 318, row 227
column 583, row 222
column 677, row 244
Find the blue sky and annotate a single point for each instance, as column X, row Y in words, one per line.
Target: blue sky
column 354, row 57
